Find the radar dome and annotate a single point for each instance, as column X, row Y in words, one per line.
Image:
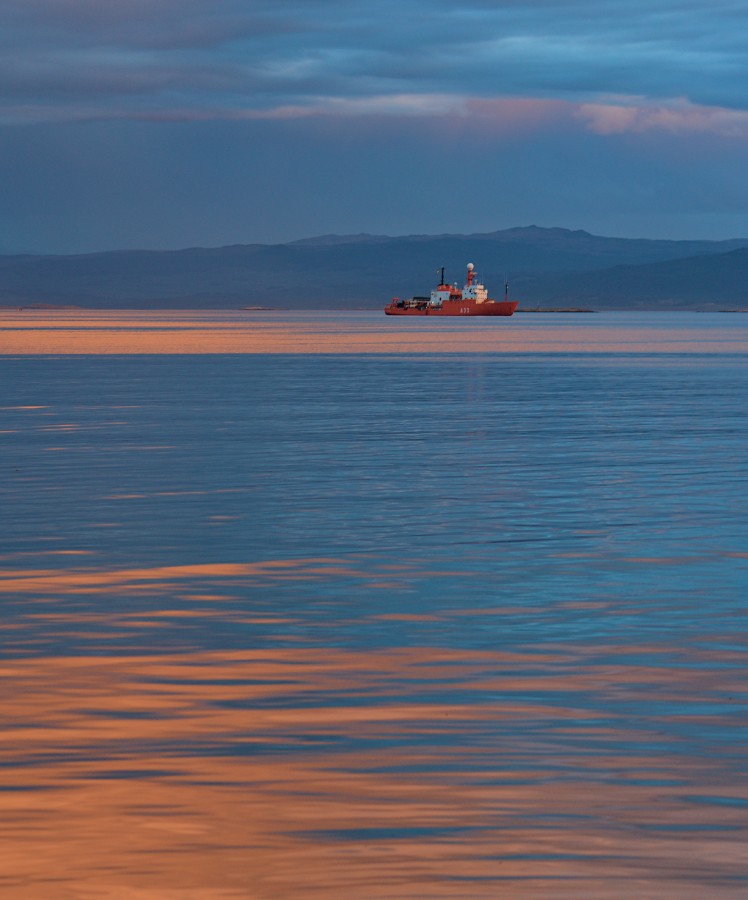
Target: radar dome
column 471, row 267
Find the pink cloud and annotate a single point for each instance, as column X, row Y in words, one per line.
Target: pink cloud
column 518, row 115
column 513, row 115
column 676, row 116
column 500, row 116
column 383, row 105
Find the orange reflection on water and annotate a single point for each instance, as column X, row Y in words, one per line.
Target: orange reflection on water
column 330, row 773
column 160, row 578
column 236, row 331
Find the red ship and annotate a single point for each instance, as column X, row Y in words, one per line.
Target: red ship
column 449, row 300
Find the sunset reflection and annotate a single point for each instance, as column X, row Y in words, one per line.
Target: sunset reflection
column 257, row 332
column 282, row 624
column 297, row 773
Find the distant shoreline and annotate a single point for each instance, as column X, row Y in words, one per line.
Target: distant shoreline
column 551, row 309
column 547, row 310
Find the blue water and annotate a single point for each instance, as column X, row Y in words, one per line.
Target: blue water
column 375, row 625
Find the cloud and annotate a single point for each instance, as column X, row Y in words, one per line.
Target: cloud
column 217, row 56
column 556, row 111
column 155, row 24
column 677, row 117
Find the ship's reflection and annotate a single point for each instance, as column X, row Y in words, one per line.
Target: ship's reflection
column 547, row 770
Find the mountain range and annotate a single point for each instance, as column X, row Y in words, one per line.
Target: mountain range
column 546, row 267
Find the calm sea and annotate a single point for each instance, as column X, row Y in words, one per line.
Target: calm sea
column 340, row 606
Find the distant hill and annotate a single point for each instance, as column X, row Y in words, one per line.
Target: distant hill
column 707, row 282
column 548, row 266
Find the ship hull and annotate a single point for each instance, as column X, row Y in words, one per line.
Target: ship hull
column 454, row 308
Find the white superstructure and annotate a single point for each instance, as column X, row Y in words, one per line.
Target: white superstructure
column 475, row 291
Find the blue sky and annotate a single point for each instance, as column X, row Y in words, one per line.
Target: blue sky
column 172, row 123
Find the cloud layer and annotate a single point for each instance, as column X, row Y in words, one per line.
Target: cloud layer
column 164, row 123
column 73, row 59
